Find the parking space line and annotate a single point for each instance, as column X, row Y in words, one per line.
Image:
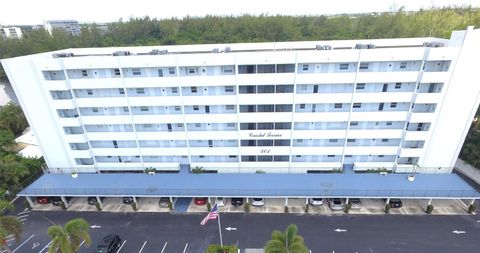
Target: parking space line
column 185, row 249
column 446, row 210
column 46, row 246
column 121, row 246
column 463, row 204
column 83, row 208
column 324, row 209
column 81, row 244
column 164, row 246
column 22, row 216
column 142, row 247
column 24, row 212
column 120, row 206
column 405, row 210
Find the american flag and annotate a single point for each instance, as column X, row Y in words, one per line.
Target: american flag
column 212, row 215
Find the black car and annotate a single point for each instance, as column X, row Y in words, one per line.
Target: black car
column 109, row 244
column 395, row 203
column 93, row 200
column 236, row 202
column 127, row 200
column 57, row 201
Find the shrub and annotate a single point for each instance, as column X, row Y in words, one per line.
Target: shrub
column 215, row 248
column 429, row 209
column 198, row 170
column 27, row 205
column 247, row 207
column 170, row 205
column 347, row 208
column 209, row 207
column 134, row 206
column 306, row 207
column 286, row 209
column 387, row 208
column 471, row 208
column 97, row 205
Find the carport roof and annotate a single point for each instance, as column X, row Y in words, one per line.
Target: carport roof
column 248, row 185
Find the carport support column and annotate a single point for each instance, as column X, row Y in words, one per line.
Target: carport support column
column 247, row 199
column 286, row 201
column 346, row 201
column 135, row 201
column 64, row 200
column 429, row 202
column 472, row 202
column 387, row 201
column 99, row 201
column 29, row 200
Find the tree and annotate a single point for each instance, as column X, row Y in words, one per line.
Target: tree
column 12, row 117
column 6, row 139
column 11, row 171
column 67, row 239
column 9, row 225
column 286, row 242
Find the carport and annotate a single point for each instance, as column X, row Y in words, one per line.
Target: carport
column 368, row 185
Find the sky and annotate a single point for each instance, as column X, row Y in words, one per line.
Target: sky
column 24, row 12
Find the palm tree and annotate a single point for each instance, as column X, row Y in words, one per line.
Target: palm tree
column 286, row 242
column 9, row 225
column 67, row 239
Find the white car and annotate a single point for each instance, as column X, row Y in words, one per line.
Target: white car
column 220, row 201
column 258, row 202
column 336, row 204
column 315, row 201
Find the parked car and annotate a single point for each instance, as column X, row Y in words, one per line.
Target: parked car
column 200, row 201
column 395, row 203
column 93, row 200
column 43, row 200
column 355, row 203
column 315, row 201
column 336, row 204
column 127, row 200
column 164, row 202
column 109, row 244
column 258, row 202
column 57, row 201
column 236, row 202
column 220, row 201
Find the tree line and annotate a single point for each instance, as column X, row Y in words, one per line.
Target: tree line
column 435, row 22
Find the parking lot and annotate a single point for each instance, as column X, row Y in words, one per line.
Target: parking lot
column 271, row 205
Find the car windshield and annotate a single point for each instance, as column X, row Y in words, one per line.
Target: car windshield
column 101, row 249
column 337, row 201
column 317, row 199
column 257, row 199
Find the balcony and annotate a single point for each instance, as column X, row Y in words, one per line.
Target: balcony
column 102, row 102
column 176, row 151
column 115, row 151
column 105, row 120
column 319, row 150
column 379, row 115
column 375, row 134
column 323, row 98
column 95, row 83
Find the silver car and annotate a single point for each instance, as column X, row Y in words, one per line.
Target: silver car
column 336, row 204
column 355, row 203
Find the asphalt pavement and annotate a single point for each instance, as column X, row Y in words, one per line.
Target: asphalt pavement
column 174, row 233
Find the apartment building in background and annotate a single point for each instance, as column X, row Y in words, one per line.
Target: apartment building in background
column 71, row 27
column 291, row 107
column 10, row 32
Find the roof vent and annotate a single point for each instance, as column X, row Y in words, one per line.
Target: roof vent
column 360, row 46
column 319, row 47
column 370, row 46
column 216, row 50
column 433, row 44
column 158, row 52
column 327, row 47
column 121, row 53
column 62, row 55
column 227, row 50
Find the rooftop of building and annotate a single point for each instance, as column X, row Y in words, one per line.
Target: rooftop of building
column 369, row 185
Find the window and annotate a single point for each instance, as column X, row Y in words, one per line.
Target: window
column 229, row 107
column 380, row 156
column 196, row 108
column 89, row 92
column 389, row 123
column 177, row 108
column 283, row 125
column 198, row 125
column 351, row 140
column 332, row 140
column 330, row 155
column 121, row 91
column 230, row 124
column 247, row 89
column 160, row 72
column 302, row 106
column 266, row 68
column 384, row 140
column 125, row 109
column 393, row 105
column 174, row 90
column 403, row 65
column 357, row 105
column 285, row 68
column 305, row 67
column 179, row 125
column 265, row 108
column 116, row 72
column 248, row 143
column 94, row 109
column 232, row 156
column 266, row 89
column 338, row 106
column 227, row 69
column 171, row 71
column 265, row 143
column 228, row 88
column 360, row 86
column 265, row 126
column 140, row 90
column 84, row 72
column 191, row 70
column 354, row 123
column 247, row 126
column 344, row 66
column 136, row 72
column 398, row 85
column 144, row 108
column 364, row 65
column 284, row 89
column 193, row 89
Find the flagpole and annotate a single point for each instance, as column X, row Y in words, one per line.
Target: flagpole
column 220, row 228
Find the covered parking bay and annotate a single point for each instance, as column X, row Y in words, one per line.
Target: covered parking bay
column 285, row 186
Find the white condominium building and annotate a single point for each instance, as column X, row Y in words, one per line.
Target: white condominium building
column 71, row 27
column 289, row 107
column 11, row 32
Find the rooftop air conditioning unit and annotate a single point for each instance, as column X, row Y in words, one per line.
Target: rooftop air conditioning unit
column 319, row 47
column 62, row 55
column 121, row 53
column 158, row 52
column 370, row 46
column 162, row 52
column 327, row 47
column 360, row 46
column 216, row 50
column 227, row 49
column 383, row 173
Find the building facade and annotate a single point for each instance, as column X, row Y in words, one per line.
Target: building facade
column 71, row 27
column 11, row 32
column 293, row 107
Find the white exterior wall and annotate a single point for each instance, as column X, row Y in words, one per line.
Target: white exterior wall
column 369, row 151
column 11, row 32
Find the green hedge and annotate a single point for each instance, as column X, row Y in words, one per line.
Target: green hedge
column 215, row 248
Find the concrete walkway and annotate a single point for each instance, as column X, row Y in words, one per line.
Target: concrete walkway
column 467, row 170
